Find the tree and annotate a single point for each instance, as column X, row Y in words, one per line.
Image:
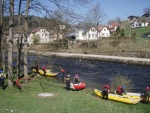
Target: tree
column 146, row 10
column 96, row 16
column 1, row 28
column 35, row 38
column 122, row 32
column 25, row 44
column 10, row 43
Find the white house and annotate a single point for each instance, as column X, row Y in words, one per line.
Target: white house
column 136, row 22
column 42, row 33
column 85, row 33
column 104, row 32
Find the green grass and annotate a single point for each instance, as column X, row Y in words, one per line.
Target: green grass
column 84, row 101
column 139, row 31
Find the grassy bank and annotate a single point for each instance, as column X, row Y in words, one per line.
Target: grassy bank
column 84, row 101
column 125, row 47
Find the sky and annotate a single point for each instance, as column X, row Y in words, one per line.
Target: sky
column 111, row 8
column 119, row 8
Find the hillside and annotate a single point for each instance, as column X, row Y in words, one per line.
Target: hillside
column 138, row 31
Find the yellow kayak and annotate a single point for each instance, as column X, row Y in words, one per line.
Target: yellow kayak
column 48, row 72
column 119, row 98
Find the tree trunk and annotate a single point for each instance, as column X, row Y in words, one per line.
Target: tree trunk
column 19, row 42
column 10, row 43
column 1, row 28
column 25, row 44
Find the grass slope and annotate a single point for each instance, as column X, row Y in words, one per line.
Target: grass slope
column 84, row 101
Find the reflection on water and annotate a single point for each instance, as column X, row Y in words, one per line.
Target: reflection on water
column 96, row 73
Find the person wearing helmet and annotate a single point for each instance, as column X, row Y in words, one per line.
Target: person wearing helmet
column 147, row 95
column 120, row 90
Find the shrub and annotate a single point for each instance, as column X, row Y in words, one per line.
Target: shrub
column 118, row 80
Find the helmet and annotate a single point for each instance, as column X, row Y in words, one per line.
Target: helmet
column 123, row 86
column 147, row 88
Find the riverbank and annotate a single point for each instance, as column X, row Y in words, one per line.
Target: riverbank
column 116, row 59
column 62, row 101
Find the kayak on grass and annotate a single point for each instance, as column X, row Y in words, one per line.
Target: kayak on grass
column 48, row 72
column 78, row 86
column 119, row 98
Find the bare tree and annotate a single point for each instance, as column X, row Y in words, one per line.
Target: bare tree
column 10, row 43
column 25, row 44
column 96, row 16
column 146, row 10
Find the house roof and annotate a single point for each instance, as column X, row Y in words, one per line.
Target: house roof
column 132, row 17
column 146, row 15
column 37, row 29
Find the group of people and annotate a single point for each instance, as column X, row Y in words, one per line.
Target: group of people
column 121, row 91
column 2, row 79
column 37, row 67
column 67, row 78
column 106, row 89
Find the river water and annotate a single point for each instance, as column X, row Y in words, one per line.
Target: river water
column 95, row 73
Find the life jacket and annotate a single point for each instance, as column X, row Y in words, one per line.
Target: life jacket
column 119, row 89
column 2, row 76
column 67, row 77
column 106, row 86
column 44, row 68
column 62, row 70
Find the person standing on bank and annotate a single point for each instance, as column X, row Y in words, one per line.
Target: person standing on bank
column 62, row 73
column 67, row 79
column 106, row 90
column 2, row 79
column 147, row 95
column 44, row 69
column 76, row 78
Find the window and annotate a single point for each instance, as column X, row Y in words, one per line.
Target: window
column 89, row 35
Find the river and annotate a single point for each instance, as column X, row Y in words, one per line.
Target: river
column 95, row 73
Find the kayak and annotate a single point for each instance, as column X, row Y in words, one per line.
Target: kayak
column 78, row 86
column 119, row 98
column 48, row 72
column 139, row 95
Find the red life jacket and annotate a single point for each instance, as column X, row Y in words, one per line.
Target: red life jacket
column 119, row 89
column 106, row 86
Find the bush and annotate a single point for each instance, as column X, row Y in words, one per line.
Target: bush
column 118, row 80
